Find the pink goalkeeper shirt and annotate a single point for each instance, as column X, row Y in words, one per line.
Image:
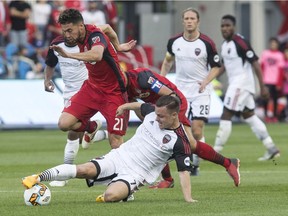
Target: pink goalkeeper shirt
column 272, row 63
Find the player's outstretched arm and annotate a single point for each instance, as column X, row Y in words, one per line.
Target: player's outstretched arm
column 124, row 47
column 186, row 186
column 128, row 106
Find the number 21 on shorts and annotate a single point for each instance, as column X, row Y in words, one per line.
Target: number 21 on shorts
column 118, row 126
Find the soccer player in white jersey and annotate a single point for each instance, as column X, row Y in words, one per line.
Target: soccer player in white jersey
column 74, row 73
column 196, row 64
column 159, row 138
column 239, row 62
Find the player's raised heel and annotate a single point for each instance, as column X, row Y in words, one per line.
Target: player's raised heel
column 88, row 137
column 233, row 171
column 30, row 181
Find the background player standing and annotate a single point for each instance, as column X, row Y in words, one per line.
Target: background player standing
column 193, row 53
column 239, row 62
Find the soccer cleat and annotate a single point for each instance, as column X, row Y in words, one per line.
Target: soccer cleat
column 129, row 198
column 270, row 154
column 163, row 184
column 30, row 181
column 100, row 198
column 58, row 183
column 194, row 171
column 233, row 171
column 88, row 137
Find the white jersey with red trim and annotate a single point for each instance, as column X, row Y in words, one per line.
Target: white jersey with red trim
column 237, row 57
column 147, row 152
column 193, row 61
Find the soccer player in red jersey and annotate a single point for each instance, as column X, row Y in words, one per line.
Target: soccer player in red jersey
column 103, row 91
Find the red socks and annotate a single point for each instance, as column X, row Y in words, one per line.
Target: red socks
column 166, row 175
column 206, row 152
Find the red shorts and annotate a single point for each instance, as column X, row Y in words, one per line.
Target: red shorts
column 88, row 101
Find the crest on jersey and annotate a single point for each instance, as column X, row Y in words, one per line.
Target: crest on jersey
column 166, row 138
column 151, row 80
column 96, row 39
column 197, row 51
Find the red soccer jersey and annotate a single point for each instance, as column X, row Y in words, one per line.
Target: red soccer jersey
column 106, row 74
column 140, row 86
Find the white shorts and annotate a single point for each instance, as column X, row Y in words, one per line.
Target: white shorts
column 198, row 108
column 112, row 169
column 237, row 99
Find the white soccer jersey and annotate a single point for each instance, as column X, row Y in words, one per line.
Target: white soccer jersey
column 193, row 60
column 147, row 152
column 237, row 57
column 74, row 72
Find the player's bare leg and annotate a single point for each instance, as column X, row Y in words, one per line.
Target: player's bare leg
column 115, row 192
column 115, row 140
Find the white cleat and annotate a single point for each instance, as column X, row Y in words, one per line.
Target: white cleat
column 88, row 137
column 270, row 154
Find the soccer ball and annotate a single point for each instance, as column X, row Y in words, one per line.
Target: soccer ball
column 39, row 194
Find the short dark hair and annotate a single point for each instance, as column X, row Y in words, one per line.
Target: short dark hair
column 172, row 103
column 230, row 17
column 70, row 16
column 274, row 39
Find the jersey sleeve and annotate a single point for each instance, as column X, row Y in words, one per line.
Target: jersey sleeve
column 51, row 59
column 97, row 38
column 146, row 108
column 213, row 57
column 244, row 49
column 147, row 80
column 182, row 151
column 169, row 46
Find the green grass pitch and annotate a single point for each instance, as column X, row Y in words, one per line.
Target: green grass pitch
column 263, row 190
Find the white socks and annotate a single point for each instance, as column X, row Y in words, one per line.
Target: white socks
column 223, row 133
column 71, row 150
column 59, row 173
column 260, row 130
column 100, row 135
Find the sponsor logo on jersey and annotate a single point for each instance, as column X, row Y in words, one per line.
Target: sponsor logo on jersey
column 249, row 54
column 144, row 95
column 166, row 138
column 96, row 39
column 197, row 51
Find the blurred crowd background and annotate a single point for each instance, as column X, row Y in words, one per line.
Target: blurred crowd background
column 28, row 27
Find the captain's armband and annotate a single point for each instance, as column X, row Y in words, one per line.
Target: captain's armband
column 156, row 86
